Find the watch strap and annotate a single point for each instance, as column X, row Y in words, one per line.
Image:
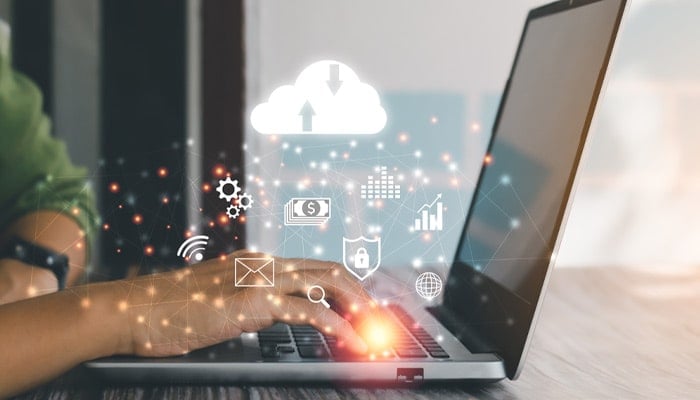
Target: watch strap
column 33, row 254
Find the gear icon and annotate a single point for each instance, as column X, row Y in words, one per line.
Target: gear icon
column 233, row 211
column 233, row 194
column 245, row 201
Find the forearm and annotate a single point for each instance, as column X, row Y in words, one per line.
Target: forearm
column 51, row 230
column 41, row 338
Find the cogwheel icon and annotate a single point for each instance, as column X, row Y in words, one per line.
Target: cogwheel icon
column 245, row 201
column 232, row 193
column 233, row 211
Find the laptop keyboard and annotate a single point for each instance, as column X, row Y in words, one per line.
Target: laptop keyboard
column 411, row 342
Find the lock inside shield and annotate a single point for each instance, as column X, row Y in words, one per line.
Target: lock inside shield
column 361, row 258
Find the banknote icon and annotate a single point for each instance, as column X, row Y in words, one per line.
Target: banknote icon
column 307, row 211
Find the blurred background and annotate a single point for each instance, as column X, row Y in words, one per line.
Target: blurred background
column 153, row 96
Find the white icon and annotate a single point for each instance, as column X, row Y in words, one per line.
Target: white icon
column 382, row 188
column 321, row 299
column 428, row 285
column 229, row 190
column 254, row 272
column 430, row 221
column 362, row 256
column 233, row 211
column 245, row 201
column 307, row 211
column 193, row 248
column 327, row 98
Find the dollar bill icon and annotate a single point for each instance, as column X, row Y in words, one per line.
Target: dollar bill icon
column 307, row 211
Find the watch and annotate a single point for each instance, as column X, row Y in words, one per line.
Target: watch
column 33, row 254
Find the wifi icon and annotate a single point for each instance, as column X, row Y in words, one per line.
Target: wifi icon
column 193, row 248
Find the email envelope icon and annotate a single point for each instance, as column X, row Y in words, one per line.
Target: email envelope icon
column 254, row 272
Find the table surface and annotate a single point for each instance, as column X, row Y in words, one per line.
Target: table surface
column 603, row 333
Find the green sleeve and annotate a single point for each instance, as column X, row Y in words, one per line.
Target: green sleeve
column 35, row 170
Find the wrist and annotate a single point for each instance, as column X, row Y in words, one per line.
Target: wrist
column 19, row 281
column 107, row 322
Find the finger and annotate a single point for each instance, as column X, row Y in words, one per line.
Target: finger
column 298, row 311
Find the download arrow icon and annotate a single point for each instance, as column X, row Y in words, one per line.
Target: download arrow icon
column 334, row 83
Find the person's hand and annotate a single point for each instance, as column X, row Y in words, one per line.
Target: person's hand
column 176, row 312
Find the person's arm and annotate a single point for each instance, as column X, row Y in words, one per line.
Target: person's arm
column 51, row 230
column 169, row 314
column 44, row 198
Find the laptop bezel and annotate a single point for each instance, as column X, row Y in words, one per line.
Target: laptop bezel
column 543, row 11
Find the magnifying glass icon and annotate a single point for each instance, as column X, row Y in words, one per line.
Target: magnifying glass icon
column 316, row 299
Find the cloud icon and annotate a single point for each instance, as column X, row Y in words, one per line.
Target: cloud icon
column 327, row 98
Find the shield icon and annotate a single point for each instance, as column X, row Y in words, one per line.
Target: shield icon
column 362, row 256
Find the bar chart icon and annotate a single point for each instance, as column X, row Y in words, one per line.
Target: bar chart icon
column 430, row 216
column 380, row 188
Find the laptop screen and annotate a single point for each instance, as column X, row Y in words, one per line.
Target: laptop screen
column 518, row 206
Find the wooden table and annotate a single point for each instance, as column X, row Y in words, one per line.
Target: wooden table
column 603, row 333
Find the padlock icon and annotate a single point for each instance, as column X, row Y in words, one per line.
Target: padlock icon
column 361, row 258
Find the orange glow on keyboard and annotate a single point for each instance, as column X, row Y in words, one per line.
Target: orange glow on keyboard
column 377, row 334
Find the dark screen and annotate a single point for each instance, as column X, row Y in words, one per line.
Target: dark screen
column 505, row 250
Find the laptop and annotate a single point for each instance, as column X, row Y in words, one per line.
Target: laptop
column 482, row 327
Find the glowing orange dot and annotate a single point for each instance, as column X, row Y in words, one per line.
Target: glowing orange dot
column 488, row 159
column 75, row 211
column 148, row 345
column 206, row 188
column 188, row 330
column 165, row 200
column 114, row 187
column 119, row 251
column 31, row 290
column 211, row 224
column 162, row 172
column 141, row 319
column 79, row 245
column 433, row 120
column 85, row 303
column 122, row 306
column 137, row 219
column 165, row 322
column 403, row 137
column 241, row 219
column 148, row 250
column 219, row 170
column 222, row 219
column 168, row 226
column 446, row 157
column 105, row 227
column 219, row 302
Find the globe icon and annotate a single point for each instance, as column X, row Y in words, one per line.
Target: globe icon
column 428, row 285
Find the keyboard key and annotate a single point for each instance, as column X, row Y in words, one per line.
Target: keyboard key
column 312, row 351
column 285, row 349
column 439, row 354
column 269, row 351
column 276, row 328
column 411, row 353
